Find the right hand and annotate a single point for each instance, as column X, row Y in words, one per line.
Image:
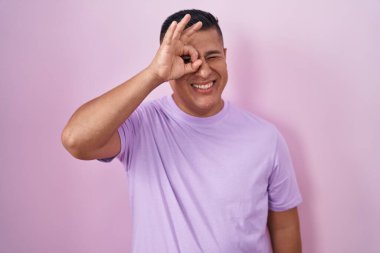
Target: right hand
column 168, row 64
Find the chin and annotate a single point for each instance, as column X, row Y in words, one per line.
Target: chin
column 207, row 108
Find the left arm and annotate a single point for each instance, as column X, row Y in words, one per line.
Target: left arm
column 284, row 231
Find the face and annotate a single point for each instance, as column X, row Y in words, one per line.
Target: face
column 199, row 93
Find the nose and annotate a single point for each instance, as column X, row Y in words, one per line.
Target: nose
column 204, row 70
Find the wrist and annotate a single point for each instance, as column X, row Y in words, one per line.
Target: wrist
column 153, row 76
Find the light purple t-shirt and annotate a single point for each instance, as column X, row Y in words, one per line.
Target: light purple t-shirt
column 204, row 184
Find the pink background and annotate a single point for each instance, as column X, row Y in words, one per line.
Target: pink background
column 311, row 68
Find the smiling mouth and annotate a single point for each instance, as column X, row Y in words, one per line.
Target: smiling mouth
column 204, row 86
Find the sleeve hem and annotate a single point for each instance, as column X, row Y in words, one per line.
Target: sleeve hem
column 121, row 133
column 280, row 208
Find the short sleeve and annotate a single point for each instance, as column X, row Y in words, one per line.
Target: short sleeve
column 283, row 189
column 127, row 133
column 121, row 133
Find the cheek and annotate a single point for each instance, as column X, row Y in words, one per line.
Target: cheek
column 219, row 66
column 178, row 83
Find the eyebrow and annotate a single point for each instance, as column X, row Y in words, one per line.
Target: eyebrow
column 212, row 52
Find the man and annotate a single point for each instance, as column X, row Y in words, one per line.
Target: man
column 204, row 175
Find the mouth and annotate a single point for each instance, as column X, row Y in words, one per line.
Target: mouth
column 203, row 87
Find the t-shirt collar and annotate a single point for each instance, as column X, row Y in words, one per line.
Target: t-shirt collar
column 194, row 119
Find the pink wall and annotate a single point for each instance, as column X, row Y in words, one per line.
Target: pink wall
column 311, row 68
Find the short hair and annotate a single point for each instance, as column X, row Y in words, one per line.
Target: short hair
column 208, row 21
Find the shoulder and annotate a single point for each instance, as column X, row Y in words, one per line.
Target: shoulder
column 149, row 112
column 250, row 120
column 258, row 130
column 151, row 107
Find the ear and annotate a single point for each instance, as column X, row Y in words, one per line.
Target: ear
column 225, row 52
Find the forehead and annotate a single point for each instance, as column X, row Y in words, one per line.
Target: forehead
column 206, row 40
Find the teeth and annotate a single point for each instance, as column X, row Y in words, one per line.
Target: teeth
column 203, row 86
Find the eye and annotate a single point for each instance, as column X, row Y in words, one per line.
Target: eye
column 186, row 59
column 214, row 56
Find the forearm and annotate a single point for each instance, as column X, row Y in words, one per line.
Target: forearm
column 92, row 130
column 93, row 124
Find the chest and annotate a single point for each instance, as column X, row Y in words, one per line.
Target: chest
column 220, row 163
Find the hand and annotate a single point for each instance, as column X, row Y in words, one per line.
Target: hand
column 168, row 63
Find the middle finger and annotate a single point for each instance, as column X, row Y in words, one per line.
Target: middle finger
column 186, row 35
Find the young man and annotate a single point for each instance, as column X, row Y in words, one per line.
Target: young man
column 204, row 175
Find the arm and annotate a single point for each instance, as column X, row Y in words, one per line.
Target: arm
column 285, row 231
column 91, row 132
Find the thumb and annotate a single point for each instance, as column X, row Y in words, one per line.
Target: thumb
column 192, row 66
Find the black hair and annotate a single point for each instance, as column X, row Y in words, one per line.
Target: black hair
column 208, row 21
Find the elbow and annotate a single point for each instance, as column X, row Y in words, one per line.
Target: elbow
column 73, row 145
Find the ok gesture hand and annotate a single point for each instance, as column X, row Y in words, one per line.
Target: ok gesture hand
column 168, row 63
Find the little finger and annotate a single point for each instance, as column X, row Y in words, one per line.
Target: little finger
column 181, row 26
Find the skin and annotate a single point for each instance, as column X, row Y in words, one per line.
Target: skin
column 213, row 71
column 91, row 133
column 284, row 230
